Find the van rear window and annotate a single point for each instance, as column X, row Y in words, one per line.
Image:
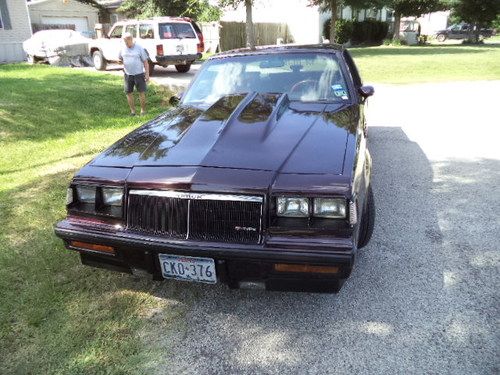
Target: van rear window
column 176, row 31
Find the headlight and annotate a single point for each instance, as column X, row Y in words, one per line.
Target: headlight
column 292, row 207
column 112, row 196
column 86, row 194
column 95, row 200
column 332, row 208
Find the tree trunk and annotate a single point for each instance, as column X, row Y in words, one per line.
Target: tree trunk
column 333, row 21
column 397, row 25
column 249, row 25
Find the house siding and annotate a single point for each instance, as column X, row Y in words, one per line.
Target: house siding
column 11, row 41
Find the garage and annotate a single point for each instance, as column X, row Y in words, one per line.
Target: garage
column 81, row 24
column 47, row 13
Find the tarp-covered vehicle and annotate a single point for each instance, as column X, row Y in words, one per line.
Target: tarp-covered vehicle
column 58, row 47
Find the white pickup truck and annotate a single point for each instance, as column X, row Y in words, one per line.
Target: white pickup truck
column 167, row 40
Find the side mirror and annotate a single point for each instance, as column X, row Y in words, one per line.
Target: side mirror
column 366, row 91
column 175, row 99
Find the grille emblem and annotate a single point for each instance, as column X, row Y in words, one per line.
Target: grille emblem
column 246, row 229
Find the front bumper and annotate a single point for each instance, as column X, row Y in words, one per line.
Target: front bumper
column 177, row 59
column 235, row 264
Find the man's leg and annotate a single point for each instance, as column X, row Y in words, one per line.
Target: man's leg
column 131, row 102
column 142, row 98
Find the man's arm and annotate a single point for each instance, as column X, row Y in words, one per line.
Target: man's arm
column 144, row 56
column 146, row 70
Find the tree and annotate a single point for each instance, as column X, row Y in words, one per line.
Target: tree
column 409, row 8
column 334, row 5
column 196, row 9
column 250, row 36
column 479, row 13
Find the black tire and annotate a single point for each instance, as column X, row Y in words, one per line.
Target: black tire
column 367, row 220
column 184, row 68
column 100, row 62
column 441, row 38
column 151, row 67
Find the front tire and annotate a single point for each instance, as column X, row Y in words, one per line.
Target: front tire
column 99, row 60
column 367, row 220
column 184, row 68
column 441, row 38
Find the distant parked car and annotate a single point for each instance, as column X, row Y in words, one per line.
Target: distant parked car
column 46, row 44
column 167, row 40
column 461, row 31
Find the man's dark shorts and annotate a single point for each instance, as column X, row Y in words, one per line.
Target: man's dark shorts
column 138, row 80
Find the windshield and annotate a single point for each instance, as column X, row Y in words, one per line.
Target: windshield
column 303, row 76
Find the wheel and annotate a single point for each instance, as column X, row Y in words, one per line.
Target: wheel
column 184, row 68
column 99, row 60
column 441, row 38
column 367, row 220
column 151, row 67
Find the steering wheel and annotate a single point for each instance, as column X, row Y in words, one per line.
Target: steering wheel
column 305, row 82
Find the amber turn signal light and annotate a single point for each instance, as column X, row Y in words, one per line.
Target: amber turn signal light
column 92, row 247
column 305, row 268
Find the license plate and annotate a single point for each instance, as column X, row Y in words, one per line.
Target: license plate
column 188, row 268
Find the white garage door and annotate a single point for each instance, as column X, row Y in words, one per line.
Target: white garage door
column 81, row 23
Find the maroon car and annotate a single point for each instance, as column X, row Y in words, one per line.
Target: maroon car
column 258, row 178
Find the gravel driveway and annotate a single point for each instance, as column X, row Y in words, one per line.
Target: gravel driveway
column 423, row 297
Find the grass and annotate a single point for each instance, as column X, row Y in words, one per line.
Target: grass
column 412, row 64
column 57, row 316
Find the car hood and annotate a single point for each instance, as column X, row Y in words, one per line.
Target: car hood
column 265, row 132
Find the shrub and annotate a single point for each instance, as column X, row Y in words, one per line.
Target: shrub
column 343, row 30
column 369, row 31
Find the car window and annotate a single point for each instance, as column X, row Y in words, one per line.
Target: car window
column 116, row 32
column 132, row 29
column 184, row 30
column 176, row 30
column 146, row 31
column 304, row 77
column 166, row 31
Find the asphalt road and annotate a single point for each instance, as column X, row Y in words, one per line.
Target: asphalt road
column 423, row 297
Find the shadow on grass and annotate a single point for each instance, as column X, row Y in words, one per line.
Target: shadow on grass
column 42, row 102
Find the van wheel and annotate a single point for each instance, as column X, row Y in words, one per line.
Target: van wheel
column 367, row 220
column 184, row 68
column 441, row 38
column 99, row 60
column 151, row 67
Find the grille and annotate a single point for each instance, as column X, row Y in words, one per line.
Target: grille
column 200, row 217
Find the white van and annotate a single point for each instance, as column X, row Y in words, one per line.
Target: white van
column 167, row 40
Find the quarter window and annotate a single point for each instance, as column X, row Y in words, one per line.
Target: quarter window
column 116, row 32
column 146, row 31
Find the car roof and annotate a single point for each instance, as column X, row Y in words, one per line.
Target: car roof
column 282, row 48
column 154, row 19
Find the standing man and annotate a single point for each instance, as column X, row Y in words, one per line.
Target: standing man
column 136, row 71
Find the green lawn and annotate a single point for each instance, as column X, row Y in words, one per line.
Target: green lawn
column 57, row 316
column 428, row 63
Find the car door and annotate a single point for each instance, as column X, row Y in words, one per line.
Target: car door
column 146, row 38
column 113, row 44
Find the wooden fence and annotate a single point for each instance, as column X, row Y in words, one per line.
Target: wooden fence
column 233, row 35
